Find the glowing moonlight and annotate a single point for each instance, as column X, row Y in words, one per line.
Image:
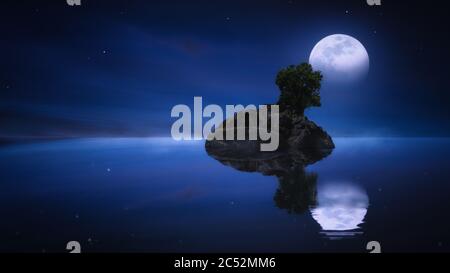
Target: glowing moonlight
column 341, row 207
column 340, row 58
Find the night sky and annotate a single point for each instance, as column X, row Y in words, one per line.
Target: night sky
column 116, row 68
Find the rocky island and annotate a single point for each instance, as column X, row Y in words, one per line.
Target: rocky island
column 302, row 142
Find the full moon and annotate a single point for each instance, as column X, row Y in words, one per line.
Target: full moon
column 340, row 58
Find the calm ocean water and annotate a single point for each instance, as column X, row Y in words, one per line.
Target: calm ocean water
column 158, row 195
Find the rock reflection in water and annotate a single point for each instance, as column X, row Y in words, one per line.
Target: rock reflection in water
column 297, row 189
column 339, row 209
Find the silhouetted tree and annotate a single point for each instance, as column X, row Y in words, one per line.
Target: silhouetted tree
column 299, row 86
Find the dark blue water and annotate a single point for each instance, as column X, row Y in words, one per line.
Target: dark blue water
column 157, row 195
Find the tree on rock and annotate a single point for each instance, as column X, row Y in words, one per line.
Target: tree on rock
column 299, row 86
